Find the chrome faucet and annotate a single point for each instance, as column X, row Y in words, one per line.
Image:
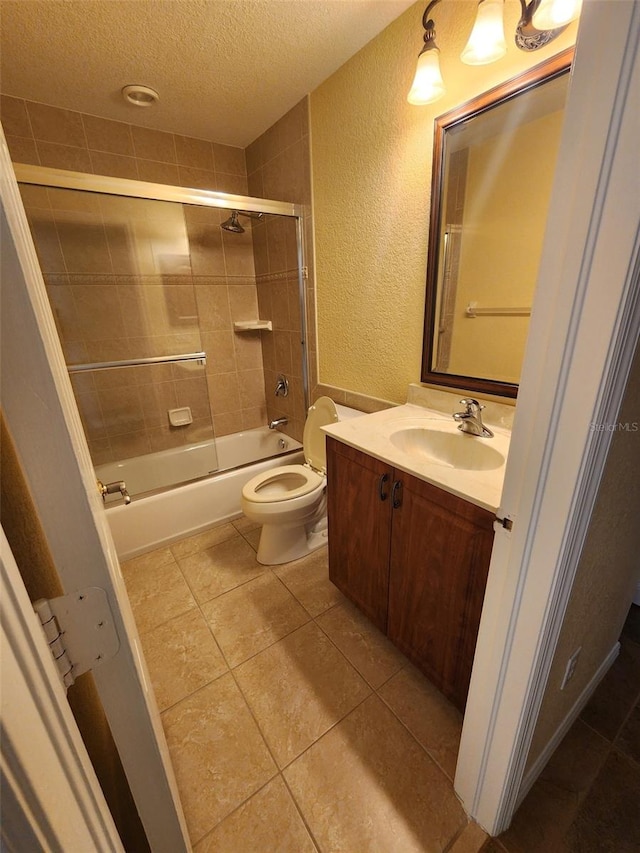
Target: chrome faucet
column 282, row 386
column 471, row 419
column 278, row 422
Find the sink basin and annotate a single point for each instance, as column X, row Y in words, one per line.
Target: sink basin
column 450, row 449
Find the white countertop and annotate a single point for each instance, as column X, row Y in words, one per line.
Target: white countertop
column 372, row 434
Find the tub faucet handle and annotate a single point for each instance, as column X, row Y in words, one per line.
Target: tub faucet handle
column 282, row 386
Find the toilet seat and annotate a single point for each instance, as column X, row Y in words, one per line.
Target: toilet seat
column 287, row 482
column 283, row 483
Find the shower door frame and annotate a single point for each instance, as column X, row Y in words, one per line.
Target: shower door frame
column 62, row 179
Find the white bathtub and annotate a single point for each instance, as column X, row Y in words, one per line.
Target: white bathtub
column 151, row 521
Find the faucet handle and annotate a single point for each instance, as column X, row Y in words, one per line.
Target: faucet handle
column 472, row 406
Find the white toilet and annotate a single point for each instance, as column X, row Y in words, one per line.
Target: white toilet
column 290, row 501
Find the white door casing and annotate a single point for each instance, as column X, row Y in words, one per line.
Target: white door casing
column 42, row 416
column 584, row 329
column 51, row 797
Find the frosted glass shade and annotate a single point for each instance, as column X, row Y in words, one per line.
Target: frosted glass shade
column 427, row 85
column 552, row 14
column 486, row 42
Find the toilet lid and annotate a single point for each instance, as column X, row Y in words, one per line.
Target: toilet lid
column 322, row 413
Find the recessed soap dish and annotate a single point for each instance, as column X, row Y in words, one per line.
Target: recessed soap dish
column 180, row 417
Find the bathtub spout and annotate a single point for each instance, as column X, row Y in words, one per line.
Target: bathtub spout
column 278, row 422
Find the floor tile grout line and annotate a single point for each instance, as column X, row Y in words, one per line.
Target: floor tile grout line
column 298, row 808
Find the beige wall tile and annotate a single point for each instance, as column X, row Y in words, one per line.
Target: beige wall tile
column 155, row 145
column 229, row 159
column 91, row 415
column 15, row 119
column 114, row 165
column 72, row 200
column 84, row 243
column 227, row 423
column 218, row 754
column 105, row 135
column 201, row 179
column 276, row 243
column 220, row 351
column 34, row 197
column 52, row 124
column 205, row 243
column 193, row 393
column 282, row 346
column 165, row 437
column 213, row 307
column 156, row 400
column 224, row 393
column 197, row 153
column 23, row 150
column 122, row 410
column 248, row 351
column 158, row 172
column 294, row 124
column 64, row 157
column 234, row 184
column 64, row 311
column 238, row 253
column 98, row 312
column 253, row 155
column 254, row 418
column 251, row 388
column 280, row 305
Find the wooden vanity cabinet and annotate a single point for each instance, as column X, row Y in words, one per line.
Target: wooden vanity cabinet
column 414, row 558
column 359, row 515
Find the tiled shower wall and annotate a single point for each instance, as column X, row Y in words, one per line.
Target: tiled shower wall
column 278, row 168
column 224, row 284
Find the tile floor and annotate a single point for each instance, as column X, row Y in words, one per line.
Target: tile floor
column 293, row 725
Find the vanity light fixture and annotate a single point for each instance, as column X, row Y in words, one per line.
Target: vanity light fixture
column 540, row 22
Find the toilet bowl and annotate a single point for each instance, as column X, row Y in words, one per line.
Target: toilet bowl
column 290, row 501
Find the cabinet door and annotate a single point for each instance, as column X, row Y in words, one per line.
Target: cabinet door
column 359, row 512
column 440, row 552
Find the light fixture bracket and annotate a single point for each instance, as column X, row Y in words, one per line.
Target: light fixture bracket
column 429, row 28
column 528, row 37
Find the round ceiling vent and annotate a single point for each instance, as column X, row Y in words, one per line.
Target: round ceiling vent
column 140, row 96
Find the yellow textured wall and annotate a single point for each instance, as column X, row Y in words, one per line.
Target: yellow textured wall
column 371, row 166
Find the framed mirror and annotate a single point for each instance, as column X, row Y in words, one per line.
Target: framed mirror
column 493, row 166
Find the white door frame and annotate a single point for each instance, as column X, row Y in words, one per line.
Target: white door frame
column 584, row 328
column 52, row 799
column 42, row 416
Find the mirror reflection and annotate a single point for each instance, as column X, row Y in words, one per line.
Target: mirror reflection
column 494, row 164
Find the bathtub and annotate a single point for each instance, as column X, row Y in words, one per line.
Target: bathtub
column 153, row 520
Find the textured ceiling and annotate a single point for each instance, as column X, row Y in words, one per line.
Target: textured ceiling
column 225, row 69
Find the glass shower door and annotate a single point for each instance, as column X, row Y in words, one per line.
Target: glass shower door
column 119, row 277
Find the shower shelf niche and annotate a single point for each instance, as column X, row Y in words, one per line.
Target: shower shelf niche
column 253, row 325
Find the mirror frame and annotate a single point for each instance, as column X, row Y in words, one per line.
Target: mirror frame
column 548, row 70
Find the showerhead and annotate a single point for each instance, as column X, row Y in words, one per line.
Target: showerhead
column 232, row 223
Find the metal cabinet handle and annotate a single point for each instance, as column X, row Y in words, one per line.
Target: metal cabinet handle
column 383, row 481
column 396, row 494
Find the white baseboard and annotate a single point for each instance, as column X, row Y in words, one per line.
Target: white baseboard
column 572, row 716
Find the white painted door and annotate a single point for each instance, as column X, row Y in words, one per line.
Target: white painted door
column 40, row 411
column 584, row 329
column 51, row 799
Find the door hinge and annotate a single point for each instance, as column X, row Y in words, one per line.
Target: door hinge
column 506, row 523
column 79, row 630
